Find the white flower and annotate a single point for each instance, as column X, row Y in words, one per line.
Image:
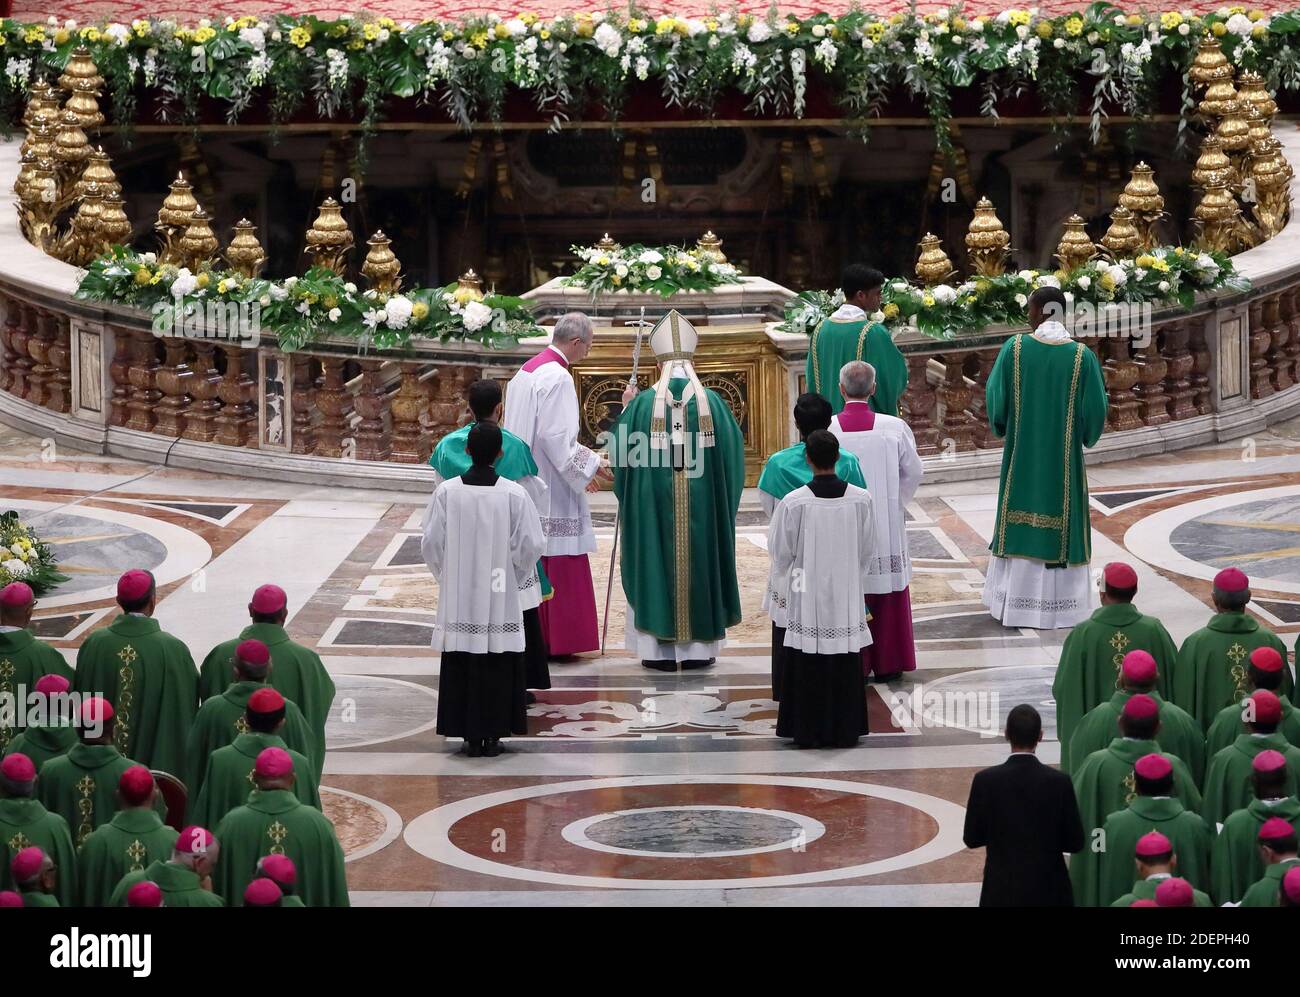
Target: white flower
column 15, row 568
column 1120, row 20
column 642, row 68
column 398, row 311
column 302, row 307
column 1240, row 25
column 608, row 40
column 277, row 292
column 826, row 53
column 975, row 26
column 1093, row 37
column 621, row 269
column 289, row 283
column 819, row 31
column 372, row 317
column 653, row 272
column 759, row 32
column 185, row 282
column 149, row 257
column 1118, row 274
column 1058, row 43
column 476, row 315
column 470, row 52
column 516, row 27
column 335, row 314
column 120, row 33
column 650, row 256
column 264, row 300
column 16, row 547
column 1022, row 31
column 944, row 294
column 1163, row 286
column 1184, row 29
column 1027, row 275
column 877, row 316
column 1047, row 280
column 1021, row 300
column 255, row 37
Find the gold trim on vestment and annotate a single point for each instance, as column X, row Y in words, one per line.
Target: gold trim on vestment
column 1069, row 439
column 682, row 553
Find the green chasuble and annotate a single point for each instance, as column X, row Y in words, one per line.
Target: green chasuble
column 40, row 744
column 276, row 821
column 150, row 679
column 290, row 900
column 1228, row 784
column 1043, row 489
column 82, row 786
column 221, row 719
column 181, row 887
column 1105, row 782
column 451, row 460
column 1191, row 839
column 1227, row 726
column 130, row 842
column 1145, row 889
column 835, row 343
column 25, row 823
column 23, row 661
column 1089, row 669
column 229, row 778
column 36, row 898
column 1264, row 892
column 297, row 673
column 679, row 531
column 1178, row 732
column 1211, row 669
column 787, row 470
column 1236, row 863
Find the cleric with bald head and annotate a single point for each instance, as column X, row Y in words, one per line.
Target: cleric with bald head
column 184, row 880
column 26, row 659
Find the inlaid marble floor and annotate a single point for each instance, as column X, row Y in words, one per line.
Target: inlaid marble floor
column 638, row 787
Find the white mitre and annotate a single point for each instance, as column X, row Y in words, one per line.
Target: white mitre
column 674, row 340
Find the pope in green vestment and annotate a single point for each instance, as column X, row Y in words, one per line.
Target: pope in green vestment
column 1145, row 889
column 1211, row 669
column 26, row 823
column 1236, row 863
column 150, row 679
column 1228, row 783
column 1089, row 670
column 1178, row 732
column 229, row 778
column 1186, row 831
column 276, row 821
column 1105, row 782
column 41, row 743
column 134, row 839
column 181, row 887
column 23, row 661
column 82, row 786
column 1263, row 893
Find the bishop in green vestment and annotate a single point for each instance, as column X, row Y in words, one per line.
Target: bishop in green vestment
column 23, row 659
column 1211, row 669
column 1178, row 732
column 280, row 870
column 679, row 467
column 36, row 877
column 229, row 777
column 1145, row 889
column 49, row 731
column 1228, row 784
column 1236, row 862
column 1047, row 397
column 186, row 878
column 135, row 838
column 25, row 823
column 1265, row 670
column 297, row 672
column 275, row 822
column 223, row 718
column 1277, row 848
column 851, row 334
column 1088, row 672
column 147, row 675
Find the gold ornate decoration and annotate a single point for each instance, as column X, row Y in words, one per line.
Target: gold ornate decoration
column 114, row 226
column 932, row 264
column 1218, row 219
column 1210, row 63
column 85, row 807
column 80, row 244
column 125, row 699
column 1252, row 90
column 608, row 245
column 987, row 242
column 1270, row 175
column 26, row 164
column 277, row 832
column 245, row 254
column 711, row 246
column 1142, row 197
column 41, row 99
column 1220, row 98
column 469, row 287
column 6, row 690
column 1075, row 248
column 71, row 150
column 136, row 853
column 80, row 68
column 84, row 103
column 199, row 243
column 1233, row 133
column 98, row 170
column 41, row 204
column 381, row 267
column 174, row 218
column 1213, row 165
column 329, row 239
column 1122, row 239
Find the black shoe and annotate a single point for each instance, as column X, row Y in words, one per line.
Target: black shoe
column 694, row 663
column 891, row 677
column 491, row 747
column 530, row 697
column 563, row 659
column 473, row 748
column 659, row 666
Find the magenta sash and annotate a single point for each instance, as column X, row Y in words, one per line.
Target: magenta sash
column 856, row 417
column 547, row 355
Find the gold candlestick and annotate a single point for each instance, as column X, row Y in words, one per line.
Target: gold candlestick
column 199, row 242
column 1210, row 64
column 711, row 246
column 174, row 218
column 1122, row 239
column 114, row 226
column 1142, row 197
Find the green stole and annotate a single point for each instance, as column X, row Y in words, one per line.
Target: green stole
column 81, row 786
column 1105, row 781
column 787, row 470
column 1211, row 672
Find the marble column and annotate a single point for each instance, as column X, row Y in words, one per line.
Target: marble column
column 1201, row 361
column 917, row 405
column 334, row 402
column 1153, row 403
column 1261, row 386
column 1279, row 332
column 1173, row 339
column 143, row 373
column 9, row 356
column 38, row 348
column 22, row 332
column 302, row 398
column 1290, row 316
column 450, row 384
column 237, row 422
column 978, row 365
column 1121, row 374
column 204, row 386
column 173, row 381
column 119, row 371
column 58, row 393
column 371, row 403
column 954, row 396
column 410, row 442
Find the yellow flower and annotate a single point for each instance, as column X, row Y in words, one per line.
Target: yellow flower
column 206, row 35
column 1134, row 20
column 982, row 286
column 1074, row 26
column 1218, row 29
column 1258, row 31
column 1107, row 282
column 896, row 19
column 1161, row 266
column 958, row 25
column 501, row 31
column 1170, row 20
column 222, row 287
column 1178, row 250
column 890, row 310
column 616, row 280
column 371, row 31
column 330, row 301
column 90, row 34
column 156, row 278
column 339, row 30
column 1256, row 15
column 479, row 39
column 928, row 301
column 448, row 36
column 300, row 36
column 61, row 36
column 636, row 25
column 1235, row 9
column 875, row 31
column 681, row 27
column 711, row 24
column 544, row 34
column 390, row 24
column 356, row 44
column 792, row 27
column 203, row 280
column 141, row 27
column 970, row 300
column 1145, row 260
column 143, row 276
column 1018, row 17
column 419, row 311
column 1044, row 29
column 528, row 18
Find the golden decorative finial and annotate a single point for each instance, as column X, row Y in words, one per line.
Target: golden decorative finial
column 114, row 226
column 1122, row 239
column 1210, row 63
column 27, row 163
column 329, row 238
column 1218, row 219
column 84, row 103
column 1213, row 165
column 71, row 147
column 199, row 242
column 42, row 99
column 932, row 265
column 174, row 218
column 81, row 69
column 987, row 241
column 40, row 206
column 1142, row 197
column 80, row 243
column 245, row 254
column 381, row 267
column 1252, row 89
column 1075, row 248
column 469, row 287
column 711, row 246
column 608, row 245
column 1220, row 97
column 99, row 169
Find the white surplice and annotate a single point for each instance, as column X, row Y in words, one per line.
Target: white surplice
column 481, row 542
column 821, row 550
column 892, row 469
column 542, row 410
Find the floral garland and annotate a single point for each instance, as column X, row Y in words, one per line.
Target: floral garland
column 24, row 557
column 351, row 66
column 303, row 309
column 664, row 270
column 1164, row 276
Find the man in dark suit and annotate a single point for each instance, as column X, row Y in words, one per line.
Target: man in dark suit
column 1025, row 814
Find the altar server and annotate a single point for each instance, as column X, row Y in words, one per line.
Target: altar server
column 821, row 543
column 542, row 410
column 1237, row 863
column 1228, row 782
column 482, row 538
column 52, row 733
column 131, row 841
column 1046, row 395
column 24, row 659
column 1156, row 864
column 887, row 451
column 24, row 821
column 1277, row 850
column 185, row 879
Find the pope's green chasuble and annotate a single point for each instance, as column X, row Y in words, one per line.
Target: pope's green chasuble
column 24, row 660
column 1178, row 732
column 181, row 887
column 1236, row 863
column 228, row 778
column 1228, row 783
column 82, row 786
column 835, row 343
column 222, row 718
column 1211, row 669
column 42, row 743
column 1264, row 892
column 150, row 679
column 1145, row 889
column 277, row 822
column 678, row 506
column 297, row 673
column 1049, row 401
column 787, row 470
column 1105, row 782
column 1227, row 726
column 130, row 842
column 1191, row 839
column 26, row 823
column 1089, row 670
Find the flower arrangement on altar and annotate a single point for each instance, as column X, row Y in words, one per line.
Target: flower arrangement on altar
column 663, row 270
column 24, row 557
column 1163, row 276
column 352, row 65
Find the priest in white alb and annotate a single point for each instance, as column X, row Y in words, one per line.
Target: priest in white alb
column 482, row 539
column 542, row 410
column 886, row 451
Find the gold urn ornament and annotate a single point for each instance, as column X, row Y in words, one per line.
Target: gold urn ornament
column 198, row 244
column 1210, row 64
column 987, row 242
column 174, row 218
column 114, row 226
column 1213, row 165
column 26, row 165
column 329, row 239
column 1220, row 97
column 40, row 207
column 81, row 71
column 710, row 245
column 932, row 263
column 71, row 147
column 608, row 245
column 1122, row 239
column 1258, row 126
column 245, row 254
column 469, row 287
column 1252, row 90
column 1075, row 248
column 381, row 266
column 1218, row 219
column 1142, row 197
column 42, row 99
column 1233, row 130
column 80, row 243
column 84, row 103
